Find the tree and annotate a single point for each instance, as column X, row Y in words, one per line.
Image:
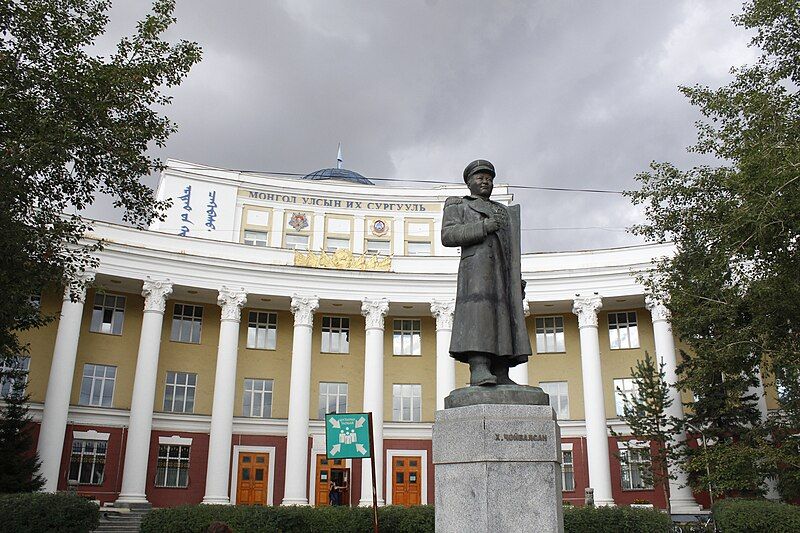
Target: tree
column 18, row 465
column 73, row 124
column 732, row 285
column 645, row 413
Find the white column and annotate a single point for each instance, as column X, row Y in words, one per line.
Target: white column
column 445, row 365
column 59, row 385
column 519, row 373
column 681, row 500
column 593, row 400
column 134, row 474
column 299, row 390
column 374, row 310
column 219, row 442
column 770, row 484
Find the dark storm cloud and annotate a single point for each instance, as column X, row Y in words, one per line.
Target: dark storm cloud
column 565, row 94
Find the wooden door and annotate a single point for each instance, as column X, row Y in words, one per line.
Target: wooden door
column 406, row 481
column 331, row 470
column 251, row 479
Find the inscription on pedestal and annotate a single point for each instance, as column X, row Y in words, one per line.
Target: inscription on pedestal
column 520, row 437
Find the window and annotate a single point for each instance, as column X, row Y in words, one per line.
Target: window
column 624, row 388
column 172, row 468
column 296, row 242
column 88, row 461
column 559, row 397
column 187, row 321
column 550, row 334
column 255, row 238
column 179, row 392
column 262, row 330
column 418, row 248
column 636, row 468
column 332, row 398
column 407, row 337
column 334, row 244
column 35, row 300
column 257, row 398
column 406, row 402
column 567, row 471
column 622, row 330
column 107, row 314
column 375, row 246
column 14, row 376
column 335, row 334
column 97, row 385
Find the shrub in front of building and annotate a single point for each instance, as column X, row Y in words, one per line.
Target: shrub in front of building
column 196, row 519
column 37, row 512
column 745, row 516
column 615, row 520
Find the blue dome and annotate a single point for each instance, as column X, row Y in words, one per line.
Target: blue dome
column 341, row 174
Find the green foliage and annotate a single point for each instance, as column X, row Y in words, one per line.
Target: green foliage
column 646, row 415
column 73, row 124
column 755, row 516
column 196, row 519
column 37, row 512
column 615, row 520
column 18, row 464
column 732, row 286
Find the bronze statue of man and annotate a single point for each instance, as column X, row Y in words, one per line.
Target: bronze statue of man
column 489, row 331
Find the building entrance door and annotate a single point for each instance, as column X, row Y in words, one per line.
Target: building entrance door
column 406, row 474
column 251, row 479
column 336, row 471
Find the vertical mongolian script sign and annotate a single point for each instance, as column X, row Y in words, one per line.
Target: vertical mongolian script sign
column 186, row 206
column 347, row 436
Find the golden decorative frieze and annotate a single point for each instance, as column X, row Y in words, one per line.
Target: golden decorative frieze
column 343, row 260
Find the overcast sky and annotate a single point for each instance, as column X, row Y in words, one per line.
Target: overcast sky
column 559, row 94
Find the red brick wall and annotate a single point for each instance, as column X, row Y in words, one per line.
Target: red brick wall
column 198, row 461
column 112, row 476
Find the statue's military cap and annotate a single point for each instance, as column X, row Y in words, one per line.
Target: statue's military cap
column 479, row 165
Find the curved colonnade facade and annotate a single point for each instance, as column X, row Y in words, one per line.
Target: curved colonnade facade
column 200, row 362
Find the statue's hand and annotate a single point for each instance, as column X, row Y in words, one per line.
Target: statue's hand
column 491, row 225
column 524, row 284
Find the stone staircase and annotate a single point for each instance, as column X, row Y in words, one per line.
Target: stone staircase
column 121, row 518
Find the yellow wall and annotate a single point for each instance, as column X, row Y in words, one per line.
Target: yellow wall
column 200, row 359
column 40, row 344
column 411, row 369
column 266, row 364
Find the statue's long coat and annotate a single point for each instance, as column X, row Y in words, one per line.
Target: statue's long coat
column 489, row 316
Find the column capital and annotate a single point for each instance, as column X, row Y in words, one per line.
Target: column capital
column 156, row 292
column 443, row 311
column 374, row 309
column 303, row 308
column 232, row 301
column 75, row 291
column 657, row 307
column 586, row 308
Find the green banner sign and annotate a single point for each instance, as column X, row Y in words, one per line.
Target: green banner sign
column 347, row 435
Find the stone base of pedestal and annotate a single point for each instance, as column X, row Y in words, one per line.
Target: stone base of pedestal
column 498, row 468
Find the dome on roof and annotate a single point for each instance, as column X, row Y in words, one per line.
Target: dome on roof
column 341, row 174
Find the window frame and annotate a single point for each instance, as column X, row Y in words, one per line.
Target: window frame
column 103, row 383
column 327, row 394
column 398, row 401
column 186, row 387
column 22, row 365
column 403, row 332
column 94, row 462
column 546, row 334
column 626, row 464
column 627, row 325
column 558, row 396
column 266, row 408
column 270, row 324
column 621, row 390
column 98, row 326
column 340, row 331
column 183, row 317
column 180, row 461
column 567, row 468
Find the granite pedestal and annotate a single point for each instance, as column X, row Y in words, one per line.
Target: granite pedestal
column 498, row 469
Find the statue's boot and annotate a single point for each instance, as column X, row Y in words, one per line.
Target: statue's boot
column 500, row 370
column 479, row 373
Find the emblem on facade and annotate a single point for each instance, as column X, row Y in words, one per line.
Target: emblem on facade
column 379, row 228
column 342, row 260
column 299, row 221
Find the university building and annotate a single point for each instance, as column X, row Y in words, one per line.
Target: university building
column 200, row 362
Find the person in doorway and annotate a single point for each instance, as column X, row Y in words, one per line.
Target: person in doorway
column 333, row 494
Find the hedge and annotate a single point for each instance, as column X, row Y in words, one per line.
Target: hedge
column 196, row 519
column 743, row 516
column 615, row 520
column 37, row 512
